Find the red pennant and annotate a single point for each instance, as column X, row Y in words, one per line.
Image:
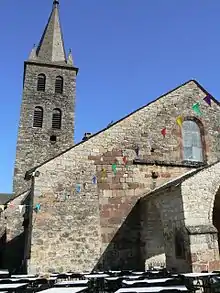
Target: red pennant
column 125, row 160
column 163, row 132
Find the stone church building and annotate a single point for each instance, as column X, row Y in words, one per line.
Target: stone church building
column 143, row 191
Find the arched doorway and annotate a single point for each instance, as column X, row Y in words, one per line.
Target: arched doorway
column 216, row 215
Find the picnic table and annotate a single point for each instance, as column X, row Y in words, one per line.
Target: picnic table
column 151, row 289
column 148, row 281
column 72, row 283
column 65, row 290
column 12, row 286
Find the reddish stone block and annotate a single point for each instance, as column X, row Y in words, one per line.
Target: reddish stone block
column 105, row 213
column 115, row 200
column 114, row 220
column 165, row 175
column 115, row 179
column 94, row 158
column 115, row 186
column 214, row 265
column 133, row 185
column 104, row 185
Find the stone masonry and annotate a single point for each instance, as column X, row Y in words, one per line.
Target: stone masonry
column 33, row 144
column 83, row 224
column 186, row 205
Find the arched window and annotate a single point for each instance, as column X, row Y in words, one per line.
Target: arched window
column 192, row 142
column 59, row 85
column 41, row 82
column 38, row 117
column 56, row 119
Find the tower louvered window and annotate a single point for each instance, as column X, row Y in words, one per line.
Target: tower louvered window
column 56, row 119
column 38, row 117
column 59, row 85
column 192, row 142
column 41, row 82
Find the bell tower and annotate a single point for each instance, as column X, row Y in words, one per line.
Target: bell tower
column 46, row 126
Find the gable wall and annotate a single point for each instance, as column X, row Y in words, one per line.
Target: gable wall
column 75, row 233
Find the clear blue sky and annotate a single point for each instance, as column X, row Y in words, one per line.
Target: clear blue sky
column 129, row 52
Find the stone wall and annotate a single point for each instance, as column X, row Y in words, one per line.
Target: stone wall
column 201, row 194
column 162, row 218
column 33, row 144
column 101, row 217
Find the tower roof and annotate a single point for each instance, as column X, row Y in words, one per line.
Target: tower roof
column 51, row 46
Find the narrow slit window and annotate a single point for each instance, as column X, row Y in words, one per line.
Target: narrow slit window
column 192, row 142
column 41, row 82
column 179, row 245
column 59, row 85
column 56, row 119
column 38, row 117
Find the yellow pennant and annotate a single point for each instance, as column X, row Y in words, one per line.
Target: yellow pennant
column 179, row 120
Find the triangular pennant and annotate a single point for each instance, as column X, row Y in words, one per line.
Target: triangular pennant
column 125, row 160
column 20, row 207
column 179, row 120
column 207, row 99
column 114, row 166
column 78, row 187
column 103, row 173
column 94, row 180
column 196, row 109
column 37, row 208
column 163, row 132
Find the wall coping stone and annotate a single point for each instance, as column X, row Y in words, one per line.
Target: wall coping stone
column 184, row 164
column 201, row 229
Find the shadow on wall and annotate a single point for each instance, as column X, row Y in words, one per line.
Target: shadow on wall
column 164, row 233
column 16, row 251
column 14, row 254
column 152, row 234
column 124, row 250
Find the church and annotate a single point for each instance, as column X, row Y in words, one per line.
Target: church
column 143, row 191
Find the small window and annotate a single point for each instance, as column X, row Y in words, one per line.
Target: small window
column 41, row 81
column 59, row 85
column 38, row 117
column 179, row 245
column 192, row 143
column 56, row 119
column 53, row 138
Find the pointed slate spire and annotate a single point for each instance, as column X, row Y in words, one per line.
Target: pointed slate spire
column 51, row 46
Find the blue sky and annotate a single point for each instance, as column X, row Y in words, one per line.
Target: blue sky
column 129, row 52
